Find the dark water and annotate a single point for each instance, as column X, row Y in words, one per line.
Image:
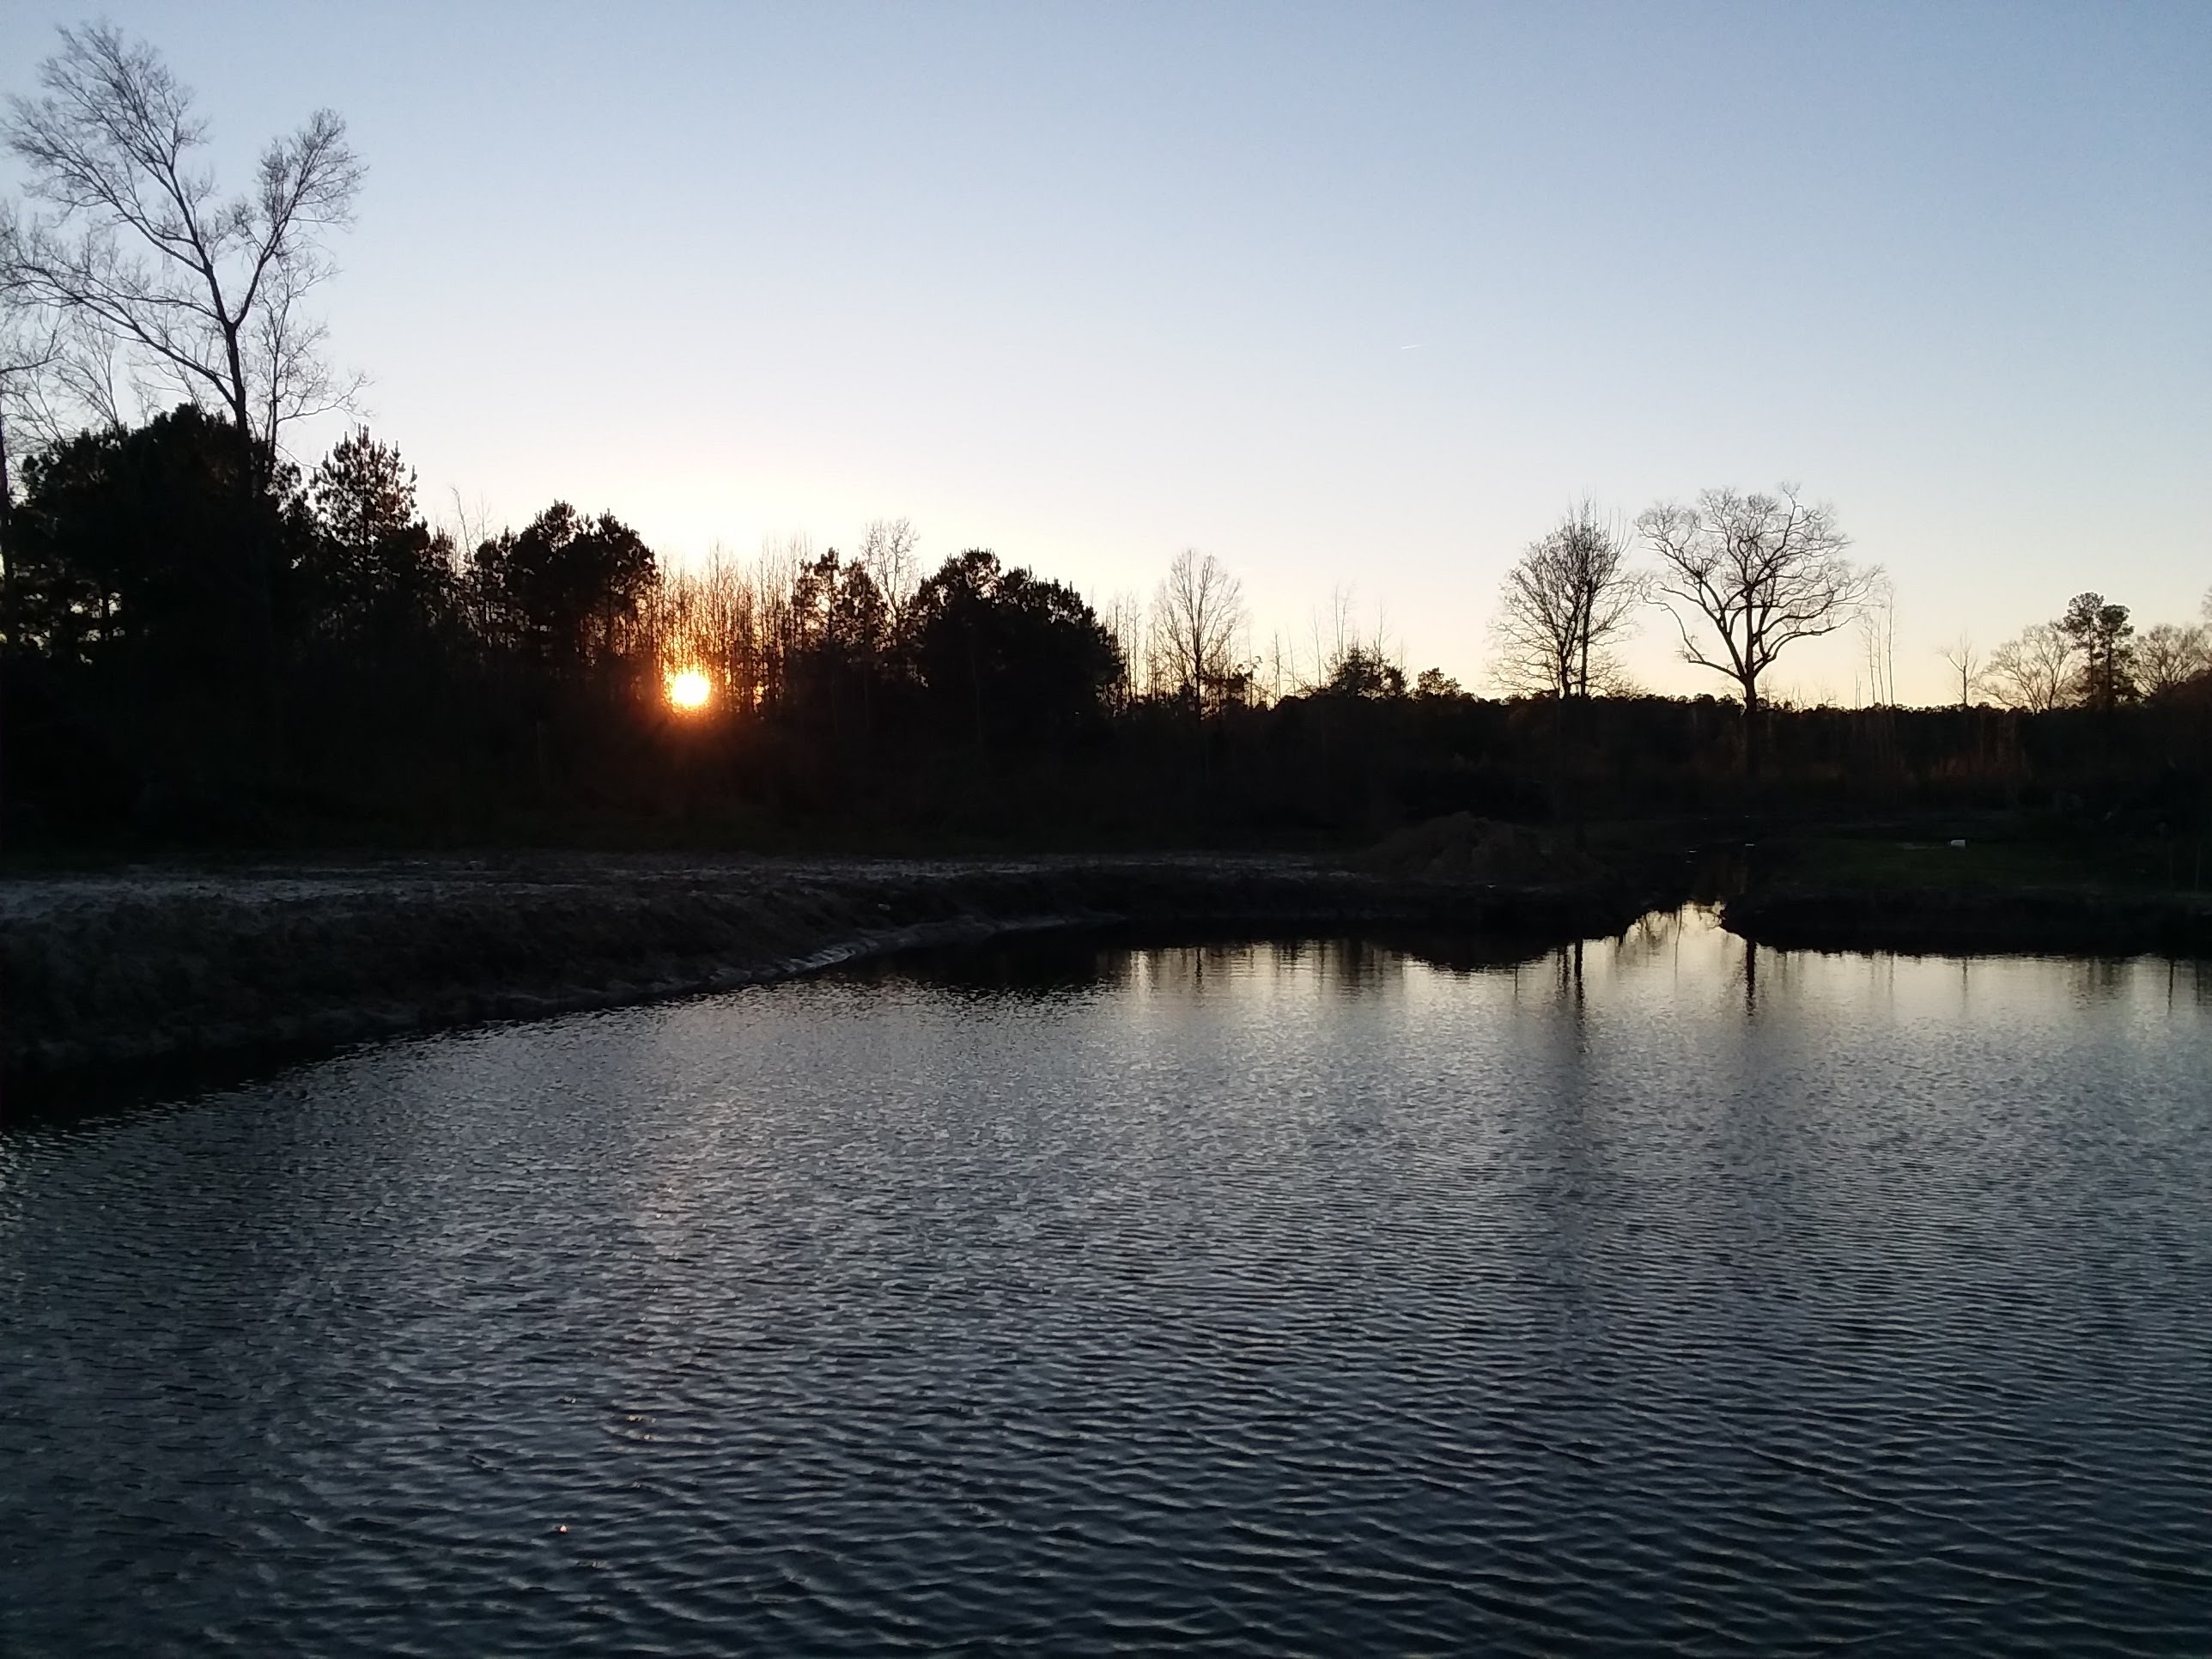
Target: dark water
column 1321, row 1298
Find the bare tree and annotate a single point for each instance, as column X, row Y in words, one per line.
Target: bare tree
column 208, row 291
column 1279, row 665
column 2036, row 670
column 1124, row 619
column 147, row 261
column 1966, row 663
column 1196, row 614
column 1877, row 625
column 1762, row 571
column 1335, row 634
column 1571, row 594
column 2171, row 654
column 888, row 549
column 29, row 345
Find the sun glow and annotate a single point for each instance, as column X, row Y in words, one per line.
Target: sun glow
column 690, row 689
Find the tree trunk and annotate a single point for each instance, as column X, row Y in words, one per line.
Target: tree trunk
column 267, row 713
column 7, row 528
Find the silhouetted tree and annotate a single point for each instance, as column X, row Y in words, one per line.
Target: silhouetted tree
column 2106, row 639
column 2034, row 672
column 1364, row 673
column 842, row 643
column 374, row 569
column 206, row 291
column 30, row 345
column 563, row 589
column 1877, row 626
column 1007, row 655
column 1196, row 614
column 1761, row 572
column 887, row 553
column 1562, row 603
column 139, row 540
column 2171, row 654
column 1966, row 663
column 133, row 621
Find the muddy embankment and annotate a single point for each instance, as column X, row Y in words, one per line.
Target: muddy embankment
column 2054, row 922
column 143, row 968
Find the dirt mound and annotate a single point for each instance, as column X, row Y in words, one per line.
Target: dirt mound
column 1464, row 848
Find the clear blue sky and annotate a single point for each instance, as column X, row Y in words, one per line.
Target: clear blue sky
column 1090, row 284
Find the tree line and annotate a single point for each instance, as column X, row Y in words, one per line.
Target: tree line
column 195, row 628
column 524, row 678
column 1744, row 575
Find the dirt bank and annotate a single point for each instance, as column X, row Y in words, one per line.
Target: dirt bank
column 151, row 965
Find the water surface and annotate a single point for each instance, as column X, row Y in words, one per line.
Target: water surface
column 1329, row 1298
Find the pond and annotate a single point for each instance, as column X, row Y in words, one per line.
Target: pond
column 1334, row 1296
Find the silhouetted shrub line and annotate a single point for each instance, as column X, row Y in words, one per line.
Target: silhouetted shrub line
column 106, row 973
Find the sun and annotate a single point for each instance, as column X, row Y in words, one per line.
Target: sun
column 690, row 689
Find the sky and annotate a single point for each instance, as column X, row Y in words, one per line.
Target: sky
column 1352, row 298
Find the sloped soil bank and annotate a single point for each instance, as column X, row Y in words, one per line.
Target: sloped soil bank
column 104, row 973
column 2049, row 921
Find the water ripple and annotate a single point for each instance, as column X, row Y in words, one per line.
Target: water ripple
column 1314, row 1298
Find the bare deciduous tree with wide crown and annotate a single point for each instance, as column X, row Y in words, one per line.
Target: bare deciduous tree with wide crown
column 1761, row 571
column 204, row 290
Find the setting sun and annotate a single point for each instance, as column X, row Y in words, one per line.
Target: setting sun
column 690, row 689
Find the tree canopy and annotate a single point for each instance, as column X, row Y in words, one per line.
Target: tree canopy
column 1010, row 656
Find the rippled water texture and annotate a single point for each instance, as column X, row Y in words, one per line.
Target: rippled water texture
column 1274, row 1298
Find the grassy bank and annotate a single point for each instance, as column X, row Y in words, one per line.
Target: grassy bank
column 132, row 966
column 137, row 968
column 1997, row 885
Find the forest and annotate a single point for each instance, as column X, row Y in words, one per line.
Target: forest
column 188, row 656
column 205, row 640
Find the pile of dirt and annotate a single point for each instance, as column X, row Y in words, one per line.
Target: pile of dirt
column 1464, row 848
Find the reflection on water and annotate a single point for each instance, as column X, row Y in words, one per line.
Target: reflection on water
column 1684, row 946
column 1410, row 1293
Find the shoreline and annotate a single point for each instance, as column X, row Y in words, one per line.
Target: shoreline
column 107, row 975
column 1950, row 922
column 145, row 972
